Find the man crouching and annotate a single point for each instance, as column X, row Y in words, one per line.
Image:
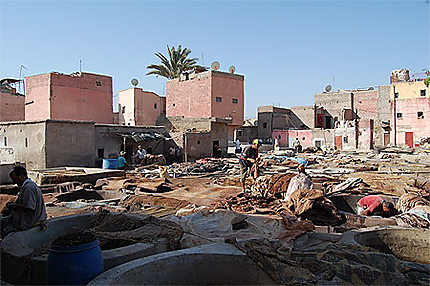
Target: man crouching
column 29, row 208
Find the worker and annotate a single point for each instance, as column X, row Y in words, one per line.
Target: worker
column 297, row 146
column 140, row 155
column 237, row 150
column 248, row 157
column 276, row 144
column 375, row 205
column 122, row 163
column 29, row 208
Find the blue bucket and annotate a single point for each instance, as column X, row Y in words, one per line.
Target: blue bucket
column 74, row 265
column 110, row 164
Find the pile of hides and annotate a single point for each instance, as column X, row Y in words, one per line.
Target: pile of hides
column 408, row 201
column 419, row 216
column 275, row 185
column 301, row 181
column 251, row 203
column 155, row 159
column 313, row 205
column 223, row 225
column 332, row 264
column 348, row 184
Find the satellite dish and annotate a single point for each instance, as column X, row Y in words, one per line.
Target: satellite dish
column 232, row 69
column 371, row 88
column 134, row 82
column 328, row 88
column 215, row 66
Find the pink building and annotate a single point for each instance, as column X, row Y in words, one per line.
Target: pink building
column 410, row 112
column 207, row 94
column 287, row 137
column 139, row 107
column 12, row 104
column 77, row 96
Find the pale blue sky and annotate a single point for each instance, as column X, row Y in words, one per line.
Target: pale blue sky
column 287, row 50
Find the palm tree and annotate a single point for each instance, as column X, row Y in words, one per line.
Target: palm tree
column 176, row 64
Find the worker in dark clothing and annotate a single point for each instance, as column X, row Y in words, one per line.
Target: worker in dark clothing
column 29, row 208
column 248, row 157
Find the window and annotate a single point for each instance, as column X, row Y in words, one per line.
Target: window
column 100, row 153
column 265, row 125
column 155, row 106
column 5, row 141
column 396, row 95
column 420, row 115
column 345, row 139
column 235, row 100
column 399, row 115
column 98, row 83
column 174, row 104
column 218, row 99
column 423, row 92
column 239, row 132
column 304, row 138
column 198, row 142
column 123, row 109
column 26, row 142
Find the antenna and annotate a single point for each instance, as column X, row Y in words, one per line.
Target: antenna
column 134, row 82
column 328, row 88
column 203, row 60
column 232, row 69
column 215, row 66
column 80, row 66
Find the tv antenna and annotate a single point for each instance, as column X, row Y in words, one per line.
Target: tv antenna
column 232, row 69
column 215, row 66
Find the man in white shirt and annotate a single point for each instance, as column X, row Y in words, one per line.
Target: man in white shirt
column 140, row 154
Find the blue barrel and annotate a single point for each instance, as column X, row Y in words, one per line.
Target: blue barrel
column 110, row 164
column 74, row 265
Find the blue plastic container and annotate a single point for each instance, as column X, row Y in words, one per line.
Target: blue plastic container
column 74, row 265
column 110, row 164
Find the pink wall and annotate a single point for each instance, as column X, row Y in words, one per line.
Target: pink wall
column 191, row 98
column 12, row 107
column 37, row 90
column 287, row 134
column 87, row 97
column 409, row 121
column 148, row 107
column 367, row 104
column 228, row 88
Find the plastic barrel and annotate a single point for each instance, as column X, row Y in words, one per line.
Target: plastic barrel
column 110, row 164
column 74, row 265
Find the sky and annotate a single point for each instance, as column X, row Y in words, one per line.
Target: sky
column 288, row 51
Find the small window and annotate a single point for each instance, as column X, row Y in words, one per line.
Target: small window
column 345, row 139
column 420, row 115
column 174, row 104
column 423, row 92
column 396, row 95
column 218, row 99
column 399, row 115
column 98, row 83
column 265, row 125
column 198, row 142
column 26, row 142
column 235, row 100
column 239, row 132
column 155, row 106
column 123, row 109
column 304, row 138
column 5, row 141
column 101, row 153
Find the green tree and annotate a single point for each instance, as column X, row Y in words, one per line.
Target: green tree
column 174, row 64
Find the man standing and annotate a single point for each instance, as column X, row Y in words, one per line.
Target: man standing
column 247, row 159
column 297, row 146
column 237, row 147
column 29, row 208
column 140, row 154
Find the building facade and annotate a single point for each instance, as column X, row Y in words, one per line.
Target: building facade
column 12, row 103
column 207, row 94
column 410, row 112
column 77, row 96
column 138, row 107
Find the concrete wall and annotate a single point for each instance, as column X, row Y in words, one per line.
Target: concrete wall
column 324, row 136
column 70, row 143
column 27, row 139
column 409, row 103
column 246, row 133
column 84, row 96
column 306, row 114
column 126, row 108
column 287, row 137
column 12, row 107
column 198, row 145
